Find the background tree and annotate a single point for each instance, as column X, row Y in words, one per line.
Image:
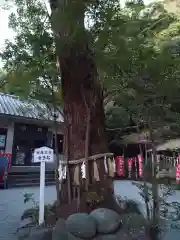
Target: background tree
column 129, row 65
column 30, row 61
column 123, row 45
column 129, row 62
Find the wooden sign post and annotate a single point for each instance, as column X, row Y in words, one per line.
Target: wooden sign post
column 42, row 155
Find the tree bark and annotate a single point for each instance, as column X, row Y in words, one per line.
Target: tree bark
column 80, row 85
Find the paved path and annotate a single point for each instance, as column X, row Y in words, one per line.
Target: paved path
column 12, row 206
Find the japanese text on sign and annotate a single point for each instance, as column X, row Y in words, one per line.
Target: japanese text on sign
column 44, row 154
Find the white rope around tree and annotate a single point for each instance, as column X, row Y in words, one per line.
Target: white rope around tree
column 62, row 171
column 91, row 158
column 83, row 170
column 109, row 165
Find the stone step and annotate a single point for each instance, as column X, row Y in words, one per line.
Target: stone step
column 30, row 184
column 29, row 176
column 32, row 179
column 25, row 179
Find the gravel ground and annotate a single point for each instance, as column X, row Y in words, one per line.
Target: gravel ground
column 12, row 206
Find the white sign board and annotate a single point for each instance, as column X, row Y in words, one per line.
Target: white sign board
column 42, row 155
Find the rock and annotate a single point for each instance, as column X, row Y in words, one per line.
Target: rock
column 60, row 230
column 24, row 229
column 106, row 237
column 40, row 233
column 23, row 233
column 81, row 225
column 26, row 222
column 72, row 237
column 107, row 220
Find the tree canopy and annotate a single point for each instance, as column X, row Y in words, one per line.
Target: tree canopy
column 137, row 54
column 138, row 58
column 30, row 60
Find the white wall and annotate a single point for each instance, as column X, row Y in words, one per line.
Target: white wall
column 9, row 138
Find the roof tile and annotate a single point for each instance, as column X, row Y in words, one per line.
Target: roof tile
column 14, row 106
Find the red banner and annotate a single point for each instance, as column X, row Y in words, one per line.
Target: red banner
column 140, row 161
column 119, row 161
column 178, row 170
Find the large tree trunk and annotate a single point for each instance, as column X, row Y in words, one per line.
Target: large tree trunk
column 81, row 88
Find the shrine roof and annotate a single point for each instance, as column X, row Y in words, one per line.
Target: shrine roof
column 13, row 106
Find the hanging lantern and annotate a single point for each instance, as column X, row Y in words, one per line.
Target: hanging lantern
column 140, row 161
column 119, row 166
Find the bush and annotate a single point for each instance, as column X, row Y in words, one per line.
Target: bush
column 33, row 213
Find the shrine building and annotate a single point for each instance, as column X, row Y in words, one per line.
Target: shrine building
column 25, row 126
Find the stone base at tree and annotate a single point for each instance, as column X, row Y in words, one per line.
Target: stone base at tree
column 99, row 224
